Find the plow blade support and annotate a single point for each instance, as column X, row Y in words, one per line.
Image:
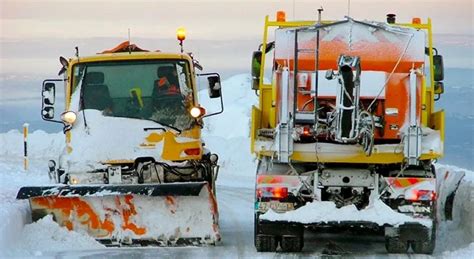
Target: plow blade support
column 162, row 214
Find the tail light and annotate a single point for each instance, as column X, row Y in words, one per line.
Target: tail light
column 307, row 131
column 420, row 195
column 272, row 192
column 192, row 151
column 304, row 131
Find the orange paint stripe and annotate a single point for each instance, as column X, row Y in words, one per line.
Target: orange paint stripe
column 65, row 206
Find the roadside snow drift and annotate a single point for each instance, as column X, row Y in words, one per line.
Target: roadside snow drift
column 53, row 237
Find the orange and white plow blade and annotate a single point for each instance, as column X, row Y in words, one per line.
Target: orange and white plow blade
column 132, row 218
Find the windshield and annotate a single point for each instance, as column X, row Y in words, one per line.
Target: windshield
column 151, row 90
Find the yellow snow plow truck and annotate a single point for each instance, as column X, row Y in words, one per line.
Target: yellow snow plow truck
column 347, row 132
column 134, row 170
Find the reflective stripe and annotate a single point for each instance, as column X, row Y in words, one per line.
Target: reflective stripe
column 405, row 182
column 162, row 81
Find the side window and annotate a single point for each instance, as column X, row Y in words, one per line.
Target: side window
column 184, row 84
column 76, row 76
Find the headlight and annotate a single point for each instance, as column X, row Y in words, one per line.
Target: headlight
column 68, row 117
column 197, row 112
column 213, row 158
column 73, row 180
column 51, row 165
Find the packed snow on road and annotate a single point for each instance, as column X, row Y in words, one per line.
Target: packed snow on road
column 227, row 136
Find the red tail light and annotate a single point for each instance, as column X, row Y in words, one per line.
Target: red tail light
column 192, row 151
column 421, row 195
column 306, row 131
column 272, row 192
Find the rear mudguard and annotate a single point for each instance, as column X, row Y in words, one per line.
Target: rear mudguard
column 164, row 214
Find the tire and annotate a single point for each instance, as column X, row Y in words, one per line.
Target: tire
column 423, row 247
column 426, row 246
column 265, row 243
column 255, row 230
column 396, row 246
column 292, row 243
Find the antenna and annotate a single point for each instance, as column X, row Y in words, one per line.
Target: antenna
column 129, row 47
column 316, row 86
column 77, row 52
column 294, row 9
column 348, row 8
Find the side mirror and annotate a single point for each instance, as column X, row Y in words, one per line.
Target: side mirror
column 49, row 92
column 438, row 68
column 214, row 86
column 47, row 113
column 64, row 63
column 439, row 88
column 256, row 66
column 330, row 74
column 215, row 91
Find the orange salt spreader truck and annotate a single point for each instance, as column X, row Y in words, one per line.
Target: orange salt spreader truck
column 346, row 133
column 134, row 170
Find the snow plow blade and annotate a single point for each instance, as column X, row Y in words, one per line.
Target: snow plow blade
column 170, row 214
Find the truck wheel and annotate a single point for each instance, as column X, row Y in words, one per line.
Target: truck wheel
column 396, row 246
column 292, row 243
column 425, row 246
column 265, row 243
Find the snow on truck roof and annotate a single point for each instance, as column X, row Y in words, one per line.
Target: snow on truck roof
column 127, row 51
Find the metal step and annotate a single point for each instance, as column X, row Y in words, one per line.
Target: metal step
column 304, row 117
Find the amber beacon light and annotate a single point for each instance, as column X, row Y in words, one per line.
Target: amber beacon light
column 181, row 36
column 281, row 16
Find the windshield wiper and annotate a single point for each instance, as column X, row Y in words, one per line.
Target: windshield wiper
column 161, row 128
column 81, row 96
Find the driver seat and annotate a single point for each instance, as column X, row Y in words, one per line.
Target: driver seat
column 96, row 94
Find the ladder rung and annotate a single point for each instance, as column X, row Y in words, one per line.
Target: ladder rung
column 305, row 117
column 306, row 92
column 306, row 50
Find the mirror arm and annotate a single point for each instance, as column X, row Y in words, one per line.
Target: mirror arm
column 219, row 112
column 222, row 100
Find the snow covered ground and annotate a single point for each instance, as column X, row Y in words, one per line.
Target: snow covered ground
column 226, row 135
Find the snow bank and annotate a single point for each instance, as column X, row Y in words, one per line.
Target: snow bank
column 462, row 221
column 466, row 252
column 15, row 214
column 461, row 181
column 228, row 134
column 45, row 234
column 40, row 144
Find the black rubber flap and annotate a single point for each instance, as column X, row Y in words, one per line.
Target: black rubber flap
column 173, row 189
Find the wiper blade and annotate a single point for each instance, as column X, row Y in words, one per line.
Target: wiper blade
column 163, row 124
column 81, row 95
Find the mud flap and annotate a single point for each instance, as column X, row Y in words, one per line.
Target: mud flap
column 161, row 214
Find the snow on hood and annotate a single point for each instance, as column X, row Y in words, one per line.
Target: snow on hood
column 110, row 138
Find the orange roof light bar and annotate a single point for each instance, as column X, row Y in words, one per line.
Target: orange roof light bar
column 416, row 20
column 281, row 16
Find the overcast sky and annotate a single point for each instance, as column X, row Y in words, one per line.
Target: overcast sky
column 221, row 33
